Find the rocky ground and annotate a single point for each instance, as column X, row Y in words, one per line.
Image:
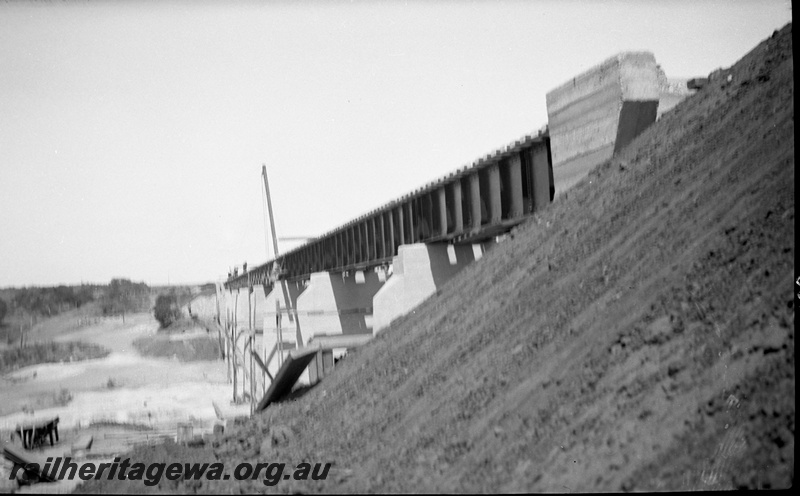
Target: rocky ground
column 636, row 335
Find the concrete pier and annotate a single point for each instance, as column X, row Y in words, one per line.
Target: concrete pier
column 338, row 303
column 418, row 270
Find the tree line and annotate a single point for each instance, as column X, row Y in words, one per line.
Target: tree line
column 120, row 296
column 51, row 300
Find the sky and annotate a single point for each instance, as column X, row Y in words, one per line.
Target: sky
column 132, row 133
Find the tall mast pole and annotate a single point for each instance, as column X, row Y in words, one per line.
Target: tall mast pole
column 269, row 207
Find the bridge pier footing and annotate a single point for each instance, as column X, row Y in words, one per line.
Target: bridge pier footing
column 418, row 271
column 338, row 303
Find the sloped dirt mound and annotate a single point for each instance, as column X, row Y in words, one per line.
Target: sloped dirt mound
column 638, row 334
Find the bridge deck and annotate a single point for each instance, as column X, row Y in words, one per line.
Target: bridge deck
column 474, row 203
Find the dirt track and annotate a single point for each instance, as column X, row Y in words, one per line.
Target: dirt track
column 638, row 334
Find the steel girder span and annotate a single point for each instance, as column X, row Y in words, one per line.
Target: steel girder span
column 472, row 204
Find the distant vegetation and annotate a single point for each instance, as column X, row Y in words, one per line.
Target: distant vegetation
column 22, row 308
column 51, row 300
column 120, row 295
column 167, row 310
column 3, row 310
column 123, row 296
column 14, row 358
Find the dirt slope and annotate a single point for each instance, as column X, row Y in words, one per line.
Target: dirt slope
column 638, row 334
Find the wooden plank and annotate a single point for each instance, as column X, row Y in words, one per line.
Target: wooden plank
column 291, row 370
column 29, row 464
column 261, row 364
column 323, row 342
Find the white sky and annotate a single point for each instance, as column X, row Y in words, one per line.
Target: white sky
column 132, row 134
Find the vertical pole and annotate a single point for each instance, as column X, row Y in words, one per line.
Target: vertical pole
column 248, row 357
column 278, row 330
column 253, row 371
column 269, row 207
column 245, row 385
column 233, row 349
column 275, row 246
column 233, row 342
column 252, row 376
column 266, row 351
column 249, row 306
column 228, row 335
column 227, row 343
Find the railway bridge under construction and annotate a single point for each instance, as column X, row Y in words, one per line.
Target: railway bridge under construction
column 448, row 222
column 339, row 289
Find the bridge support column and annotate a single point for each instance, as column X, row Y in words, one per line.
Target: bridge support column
column 418, row 271
column 335, row 303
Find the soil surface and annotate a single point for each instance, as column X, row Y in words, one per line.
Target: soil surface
column 186, row 340
column 638, row 334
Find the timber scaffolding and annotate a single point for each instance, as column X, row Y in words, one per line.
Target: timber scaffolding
column 248, row 371
column 475, row 203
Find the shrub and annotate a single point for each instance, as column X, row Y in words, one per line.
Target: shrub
column 49, row 353
column 166, row 310
column 63, row 397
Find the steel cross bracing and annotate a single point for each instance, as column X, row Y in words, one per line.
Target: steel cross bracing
column 472, row 204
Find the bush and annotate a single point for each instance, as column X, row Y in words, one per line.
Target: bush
column 3, row 310
column 13, row 358
column 166, row 310
column 63, row 397
column 123, row 296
